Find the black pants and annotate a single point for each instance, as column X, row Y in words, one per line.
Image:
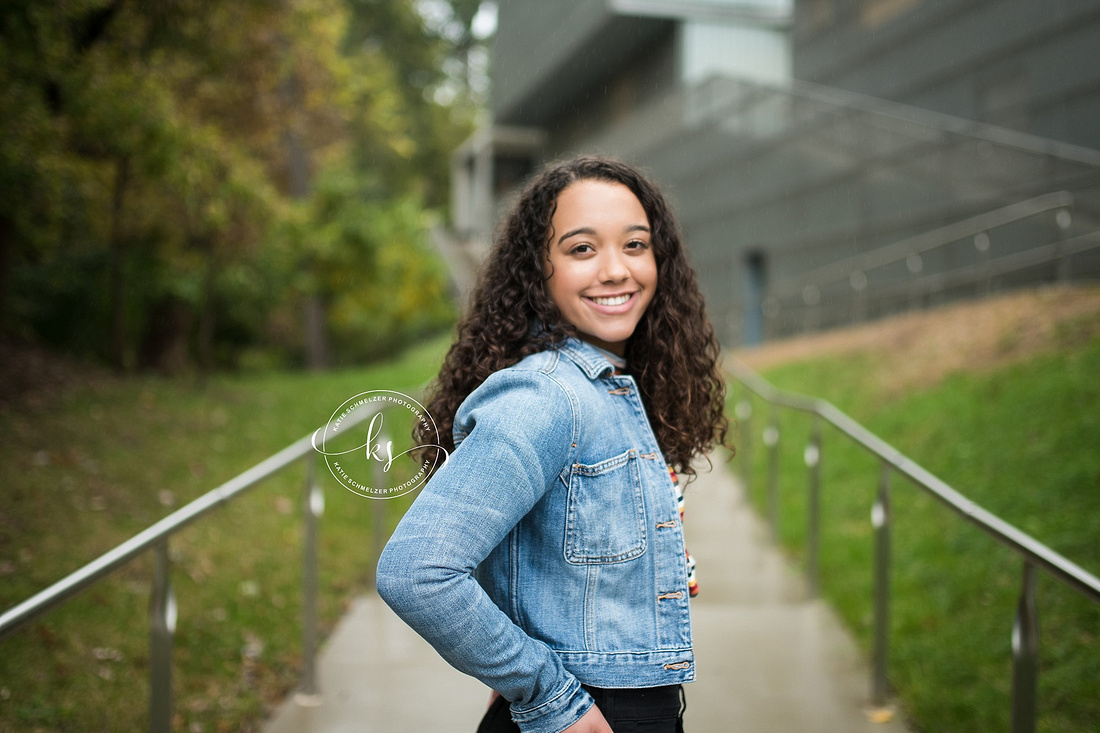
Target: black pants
column 641, row 710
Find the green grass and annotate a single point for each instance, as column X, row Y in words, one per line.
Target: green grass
column 85, row 470
column 1022, row 441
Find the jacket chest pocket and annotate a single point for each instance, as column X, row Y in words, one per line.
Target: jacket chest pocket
column 605, row 511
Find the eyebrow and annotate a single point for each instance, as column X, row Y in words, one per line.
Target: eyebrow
column 590, row 231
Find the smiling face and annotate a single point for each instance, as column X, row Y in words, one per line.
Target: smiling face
column 602, row 272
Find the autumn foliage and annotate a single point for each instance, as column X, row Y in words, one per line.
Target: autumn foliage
column 210, row 183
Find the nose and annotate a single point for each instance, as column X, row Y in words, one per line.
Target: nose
column 613, row 267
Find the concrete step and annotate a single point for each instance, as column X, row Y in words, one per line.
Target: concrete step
column 769, row 659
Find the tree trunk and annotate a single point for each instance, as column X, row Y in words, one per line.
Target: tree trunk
column 316, row 342
column 316, row 339
column 7, row 233
column 298, row 183
column 164, row 341
column 117, row 286
column 207, row 313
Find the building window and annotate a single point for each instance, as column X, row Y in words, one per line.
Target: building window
column 873, row 13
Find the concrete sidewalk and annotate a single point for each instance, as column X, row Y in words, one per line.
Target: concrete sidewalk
column 768, row 659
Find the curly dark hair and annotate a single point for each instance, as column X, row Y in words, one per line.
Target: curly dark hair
column 673, row 353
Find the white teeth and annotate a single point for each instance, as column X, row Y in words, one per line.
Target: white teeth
column 617, row 300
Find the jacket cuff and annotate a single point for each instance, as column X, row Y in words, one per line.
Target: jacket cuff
column 557, row 713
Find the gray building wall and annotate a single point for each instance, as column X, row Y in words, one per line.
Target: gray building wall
column 775, row 179
column 771, row 184
column 1029, row 65
column 555, row 59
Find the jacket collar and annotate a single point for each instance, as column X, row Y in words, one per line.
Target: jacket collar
column 584, row 355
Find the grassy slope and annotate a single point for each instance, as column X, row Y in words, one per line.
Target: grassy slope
column 1020, row 439
column 86, row 469
column 83, row 471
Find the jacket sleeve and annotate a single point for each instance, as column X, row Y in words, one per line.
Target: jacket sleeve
column 520, row 427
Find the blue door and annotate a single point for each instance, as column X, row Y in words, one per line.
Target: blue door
column 755, row 273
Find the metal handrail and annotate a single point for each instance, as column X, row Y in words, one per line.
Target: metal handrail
column 991, row 268
column 841, row 103
column 837, row 309
column 162, row 608
column 1035, row 554
column 902, row 112
column 920, row 243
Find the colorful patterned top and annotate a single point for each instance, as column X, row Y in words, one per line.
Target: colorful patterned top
column 693, row 585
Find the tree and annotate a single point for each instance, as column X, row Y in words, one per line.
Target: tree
column 158, row 154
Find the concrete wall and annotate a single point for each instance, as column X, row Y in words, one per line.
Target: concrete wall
column 772, row 178
column 534, row 40
column 1028, row 65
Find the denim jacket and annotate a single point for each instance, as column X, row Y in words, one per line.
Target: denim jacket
column 548, row 551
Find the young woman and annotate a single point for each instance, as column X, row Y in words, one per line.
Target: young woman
column 546, row 557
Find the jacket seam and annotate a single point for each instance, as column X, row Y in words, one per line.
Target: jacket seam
column 574, row 410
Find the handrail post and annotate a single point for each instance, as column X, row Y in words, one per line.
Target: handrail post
column 1063, row 220
column 813, row 535
column 1036, row 556
column 162, row 626
column 771, row 440
column 981, row 243
column 743, row 411
column 313, row 507
column 1025, row 656
column 881, row 520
